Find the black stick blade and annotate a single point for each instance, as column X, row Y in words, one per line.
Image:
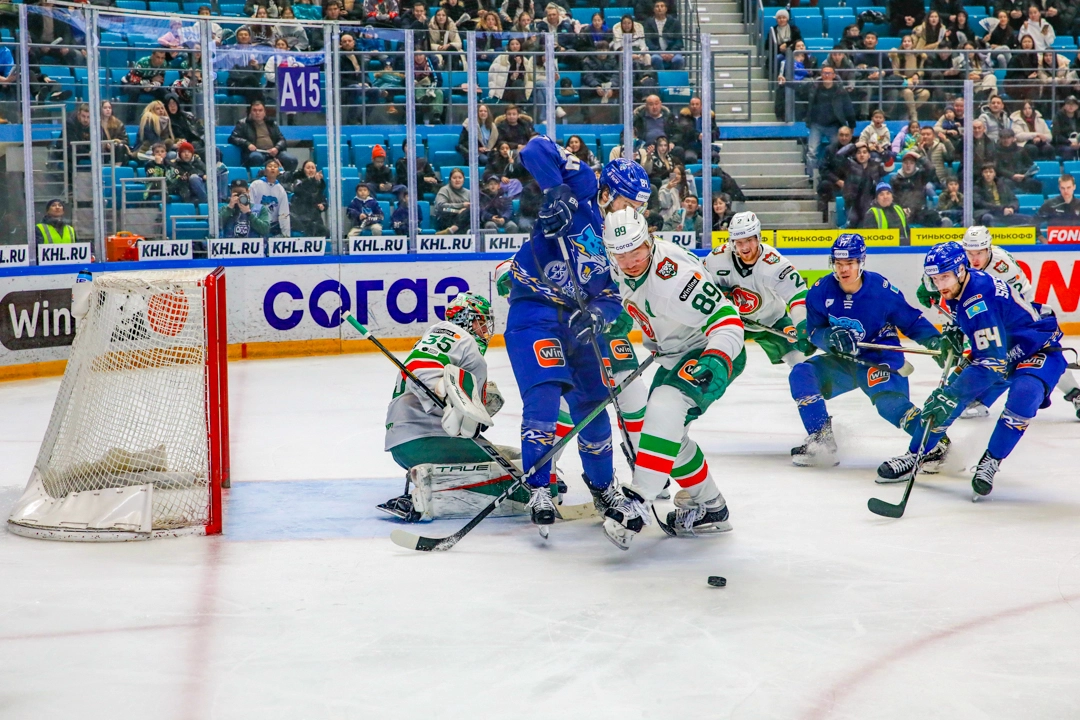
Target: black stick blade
column 880, row 507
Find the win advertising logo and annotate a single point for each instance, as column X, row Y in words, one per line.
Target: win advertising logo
column 35, row 319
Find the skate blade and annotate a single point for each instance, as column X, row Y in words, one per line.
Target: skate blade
column 543, row 530
column 703, row 530
column 619, row 540
column 975, row 414
column 892, row 481
column 819, row 462
column 394, row 513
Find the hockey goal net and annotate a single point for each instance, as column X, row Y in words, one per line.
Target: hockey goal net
column 137, row 445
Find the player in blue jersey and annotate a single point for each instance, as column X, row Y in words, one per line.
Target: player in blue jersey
column 843, row 309
column 547, row 334
column 1014, row 343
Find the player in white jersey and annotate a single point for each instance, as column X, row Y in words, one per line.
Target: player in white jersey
column 765, row 287
column 698, row 337
column 449, row 474
column 998, row 262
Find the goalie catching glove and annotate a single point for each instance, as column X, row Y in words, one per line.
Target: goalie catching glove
column 464, row 414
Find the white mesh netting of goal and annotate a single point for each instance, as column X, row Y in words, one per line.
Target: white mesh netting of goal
column 135, row 443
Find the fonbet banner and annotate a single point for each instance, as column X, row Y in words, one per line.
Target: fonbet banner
column 307, row 302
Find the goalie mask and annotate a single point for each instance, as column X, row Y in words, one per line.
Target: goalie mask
column 472, row 313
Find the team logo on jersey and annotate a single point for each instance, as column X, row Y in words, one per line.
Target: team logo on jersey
column 848, row 324
column 771, row 258
column 1001, row 266
column 667, row 269
column 591, row 256
column 747, row 301
column 620, row 349
column 876, row 376
column 549, row 353
column 556, row 272
column 689, row 289
column 1035, row 361
column 972, row 299
column 979, row 307
column 646, row 326
column 719, row 249
column 828, row 302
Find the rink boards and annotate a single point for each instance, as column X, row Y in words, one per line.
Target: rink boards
column 282, row 307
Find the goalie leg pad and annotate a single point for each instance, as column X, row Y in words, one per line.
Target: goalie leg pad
column 461, row 490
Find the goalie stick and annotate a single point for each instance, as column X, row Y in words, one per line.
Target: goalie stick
column 417, row 542
column 880, row 507
column 905, row 370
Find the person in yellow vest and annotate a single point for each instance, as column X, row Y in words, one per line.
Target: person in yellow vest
column 883, row 214
column 53, row 228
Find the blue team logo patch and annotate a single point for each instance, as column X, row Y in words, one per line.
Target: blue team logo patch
column 591, row 257
column 849, row 324
column 979, row 307
column 556, row 272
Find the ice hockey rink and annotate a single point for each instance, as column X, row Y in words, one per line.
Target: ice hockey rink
column 305, row 609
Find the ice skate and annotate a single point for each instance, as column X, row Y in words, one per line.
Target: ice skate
column 605, row 498
column 975, row 410
column 983, row 482
column 900, row 468
column 819, row 450
column 689, row 519
column 401, row 508
column 1073, row 396
column 541, row 508
column 665, row 494
column 626, row 519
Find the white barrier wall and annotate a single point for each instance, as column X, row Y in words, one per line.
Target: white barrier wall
column 301, row 302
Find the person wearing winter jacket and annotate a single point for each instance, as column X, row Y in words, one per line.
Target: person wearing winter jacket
column 487, row 137
column 863, row 175
column 399, row 219
column 238, row 219
column 186, row 175
column 496, row 210
column 309, row 201
column 378, row 174
column 834, row 168
column 1014, row 166
column 452, row 205
column 905, row 15
column 992, row 199
column 995, row 118
column 1032, row 133
column 911, row 185
column 878, row 138
column 268, row 192
column 935, row 150
column 1066, row 129
column 1040, row 31
column 365, row 212
column 884, row 214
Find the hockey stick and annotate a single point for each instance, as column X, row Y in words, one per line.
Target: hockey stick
column 896, row 348
column 905, row 370
column 880, row 507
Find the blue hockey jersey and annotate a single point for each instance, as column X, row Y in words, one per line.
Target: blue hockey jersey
column 538, row 270
column 875, row 313
column 1003, row 329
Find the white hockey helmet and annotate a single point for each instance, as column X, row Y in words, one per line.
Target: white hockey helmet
column 744, row 225
column 976, row 237
column 624, row 230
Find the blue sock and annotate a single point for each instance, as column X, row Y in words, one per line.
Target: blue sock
column 806, row 392
column 1025, row 396
column 594, row 448
column 538, row 418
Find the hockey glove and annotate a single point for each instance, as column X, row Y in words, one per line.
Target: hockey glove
column 587, row 324
column 804, row 344
column 464, row 414
column 952, row 339
column 935, row 343
column 926, row 296
column 939, row 406
column 557, row 210
column 710, row 379
column 621, row 327
column 493, row 399
column 843, row 341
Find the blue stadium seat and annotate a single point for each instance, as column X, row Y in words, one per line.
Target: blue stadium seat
column 818, row 43
column 394, row 150
column 238, row 173
column 164, row 6
column 230, row 154
column 584, row 15
column 349, row 172
column 131, row 4
column 1072, row 167
column 799, row 13
column 1049, row 182
column 423, row 214
column 1048, row 167
column 361, row 155
column 441, row 142
column 836, row 24
column 367, row 139
column 446, row 160
column 1030, row 202
column 888, row 43
column 348, row 189
column 811, row 26
column 613, row 15
column 232, row 9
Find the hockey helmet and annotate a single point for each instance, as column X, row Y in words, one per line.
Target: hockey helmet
column 465, row 309
column 625, row 178
column 744, row 225
column 624, row 230
column 945, row 257
column 848, row 246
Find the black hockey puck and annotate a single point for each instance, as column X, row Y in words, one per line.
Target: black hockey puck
column 717, row 581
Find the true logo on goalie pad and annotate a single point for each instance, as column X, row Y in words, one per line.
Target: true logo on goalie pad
column 549, row 353
column 875, row 376
column 621, row 350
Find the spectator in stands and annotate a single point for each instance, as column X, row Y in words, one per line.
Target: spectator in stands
column 511, row 10
column 178, row 37
column 429, row 97
column 908, row 66
column 281, row 58
column 295, row 35
column 842, row 63
column 381, row 13
column 661, row 163
column 514, row 128
column 503, row 163
column 156, row 167
column 930, row 33
column 52, row 35
column 185, row 126
column 884, row 214
column 186, row 174
column 601, row 76
column 556, row 23
column 1015, row 9
column 951, row 201
column 598, row 31
column 802, row 64
column 8, row 77
column 949, row 126
column 1054, row 70
column 687, row 218
column 216, row 31
column 308, row 200
column 496, row 210
column 417, row 19
column 78, row 132
column 577, row 147
column 722, row 211
column 114, row 133
column 244, row 63
column 947, row 9
column 399, row 218
column 364, row 212
column 941, row 76
column 905, row 15
column 267, row 191
column 651, row 120
column 863, row 175
column 878, row 138
column 983, row 149
column 354, row 80
column 906, row 139
column 960, row 31
column 1022, row 76
column 377, row 174
column 976, row 66
column 273, row 7
column 934, row 150
column 995, row 119
column 147, row 76
column 465, row 16
column 678, row 187
column 993, row 200
column 451, row 211
column 829, row 108
column 1037, row 29
column 782, row 35
column 663, row 37
column 834, row 168
column 912, row 184
column 1032, row 133
column 1002, row 39
column 1014, row 166
column 154, row 127
column 510, row 77
column 236, row 218
column 489, row 134
column 489, row 40
column 634, row 33
column 261, row 33
column 443, row 36
column 259, row 139
column 1066, row 129
column 1063, row 209
column 427, row 180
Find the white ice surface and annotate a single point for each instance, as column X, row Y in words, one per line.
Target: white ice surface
column 304, row 609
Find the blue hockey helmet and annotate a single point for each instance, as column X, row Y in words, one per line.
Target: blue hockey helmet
column 627, row 179
column 848, row 246
column 945, row 257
